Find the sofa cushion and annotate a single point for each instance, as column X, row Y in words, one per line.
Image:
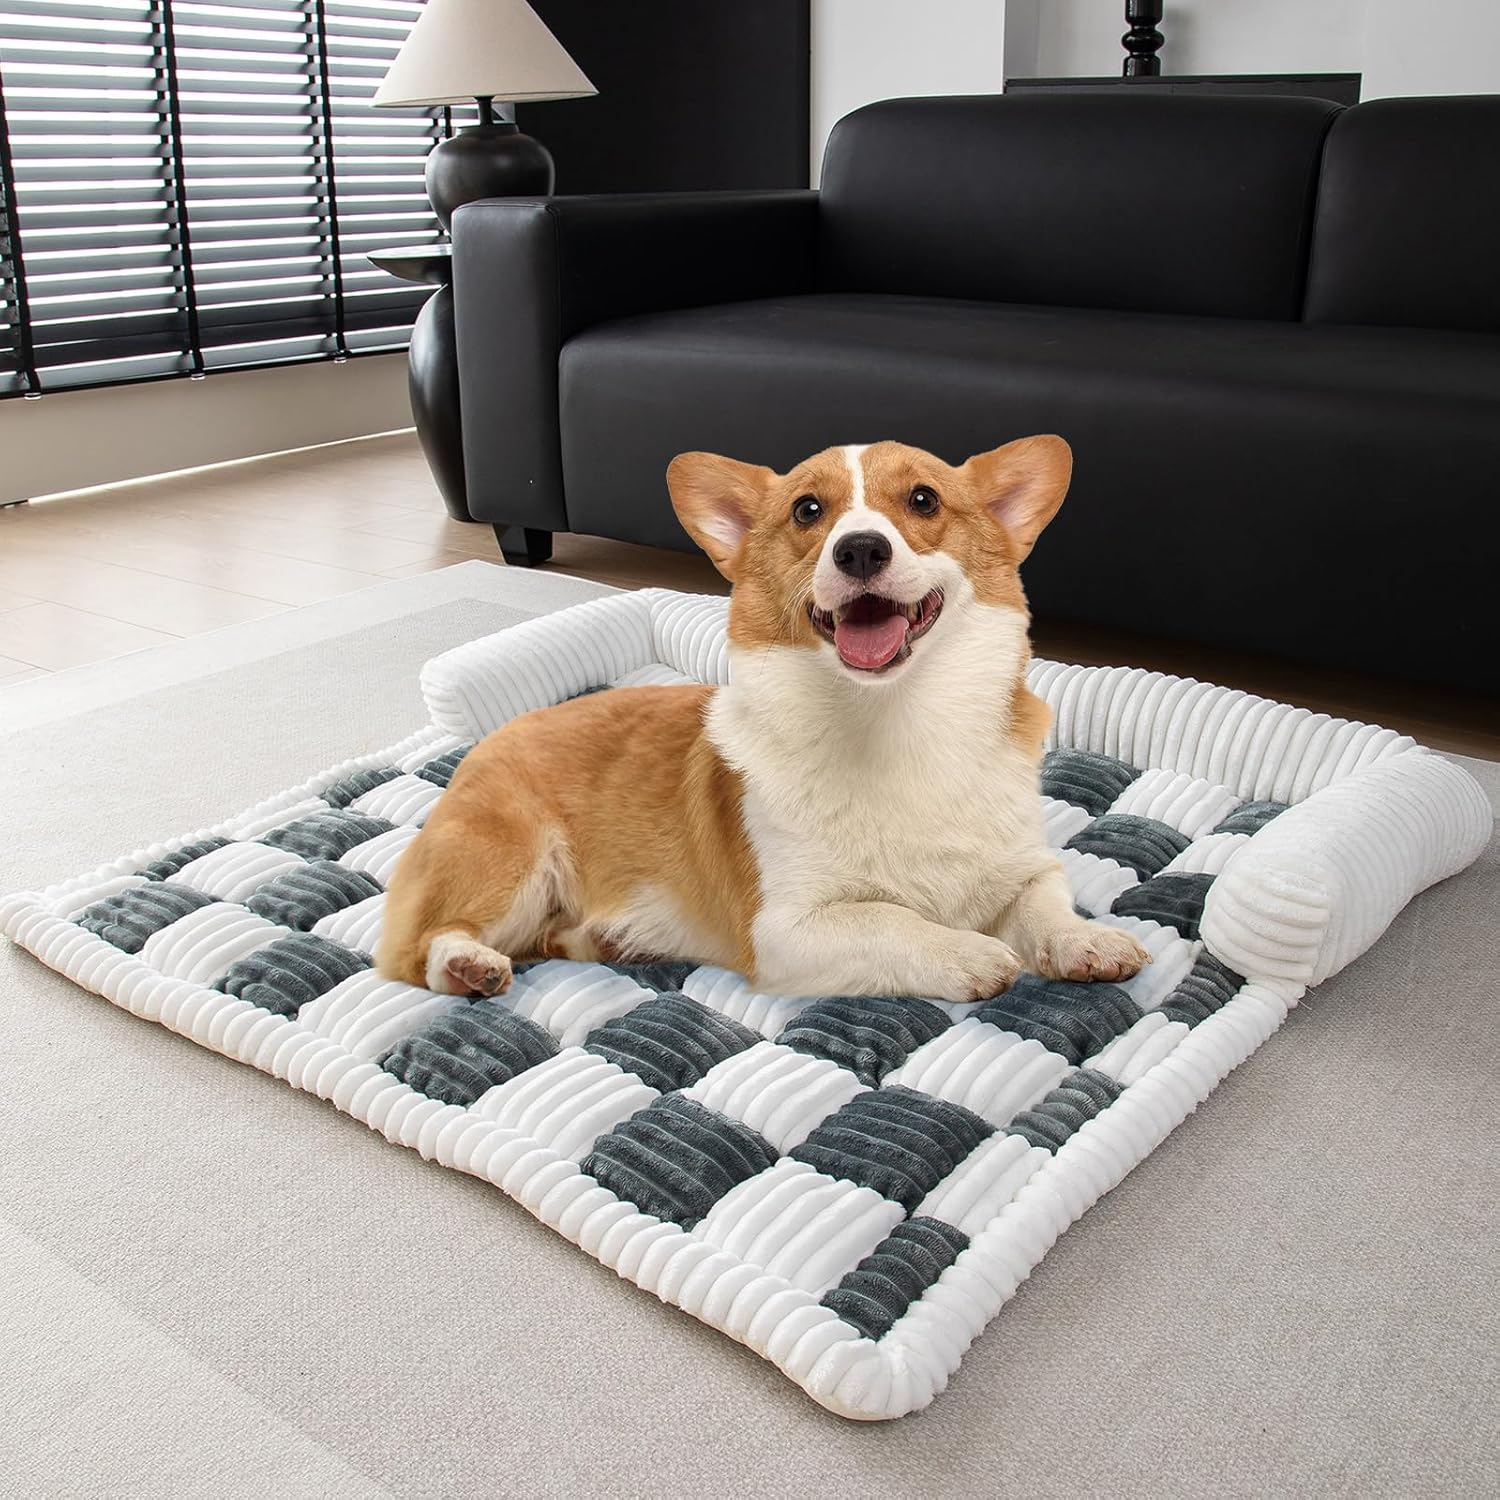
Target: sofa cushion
column 1211, row 455
column 1408, row 220
column 1143, row 203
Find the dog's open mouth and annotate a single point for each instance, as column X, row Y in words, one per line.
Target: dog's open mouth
column 871, row 633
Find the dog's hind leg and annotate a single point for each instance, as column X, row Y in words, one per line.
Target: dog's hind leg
column 461, row 904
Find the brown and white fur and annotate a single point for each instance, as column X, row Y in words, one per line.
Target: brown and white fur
column 831, row 822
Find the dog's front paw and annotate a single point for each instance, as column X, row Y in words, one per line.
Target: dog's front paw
column 1090, row 950
column 982, row 968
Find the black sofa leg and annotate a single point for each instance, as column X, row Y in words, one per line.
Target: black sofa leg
column 524, row 546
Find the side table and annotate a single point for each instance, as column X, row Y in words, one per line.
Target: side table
column 432, row 379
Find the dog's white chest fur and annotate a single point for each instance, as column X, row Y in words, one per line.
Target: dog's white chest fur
column 909, row 793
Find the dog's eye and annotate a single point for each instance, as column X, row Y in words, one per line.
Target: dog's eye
column 807, row 510
column 923, row 500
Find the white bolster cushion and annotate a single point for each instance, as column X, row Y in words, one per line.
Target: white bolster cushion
column 1319, row 884
column 483, row 684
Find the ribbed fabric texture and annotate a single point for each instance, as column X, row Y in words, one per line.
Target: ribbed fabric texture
column 291, row 972
column 657, row 976
column 126, row 920
column 170, row 864
column 883, row 1285
column 897, row 1141
column 326, row 835
column 676, row 1159
column 1072, row 1020
column 1251, row 817
column 306, row 894
column 1174, row 899
column 343, row 792
column 669, row 1042
column 1210, row 987
column 1092, row 782
column 468, row 1051
column 1074, row 1102
column 1142, row 844
column 439, row 770
column 868, row 1034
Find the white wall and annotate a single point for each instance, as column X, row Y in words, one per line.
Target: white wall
column 71, row 439
column 1437, row 47
column 864, row 50
column 1023, row 36
column 1207, row 36
column 1440, row 47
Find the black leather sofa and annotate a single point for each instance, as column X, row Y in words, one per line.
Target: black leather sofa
column 1270, row 329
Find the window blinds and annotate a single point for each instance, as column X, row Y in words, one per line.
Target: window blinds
column 189, row 185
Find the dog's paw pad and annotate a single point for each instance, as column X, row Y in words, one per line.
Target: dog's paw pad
column 1091, row 951
column 988, row 970
column 481, row 971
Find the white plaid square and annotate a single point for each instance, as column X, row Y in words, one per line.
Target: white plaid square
column 234, row 872
column 779, row 1093
column 567, row 1102
column 406, row 799
column 570, row 1000
column 798, row 1223
column 377, row 857
column 201, row 946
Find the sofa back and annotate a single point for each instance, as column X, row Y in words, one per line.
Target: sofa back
column 1144, row 203
column 1408, row 220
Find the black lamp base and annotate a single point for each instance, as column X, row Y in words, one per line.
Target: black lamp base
column 491, row 160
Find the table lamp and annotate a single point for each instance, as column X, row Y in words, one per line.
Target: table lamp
column 482, row 50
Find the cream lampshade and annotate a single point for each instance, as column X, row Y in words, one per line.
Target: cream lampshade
column 482, row 50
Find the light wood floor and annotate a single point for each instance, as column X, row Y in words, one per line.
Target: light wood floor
column 94, row 575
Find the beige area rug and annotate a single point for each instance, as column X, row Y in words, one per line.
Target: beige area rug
column 202, row 1296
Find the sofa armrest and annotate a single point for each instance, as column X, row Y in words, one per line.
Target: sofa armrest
column 529, row 273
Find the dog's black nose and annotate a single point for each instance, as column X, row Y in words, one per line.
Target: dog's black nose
column 861, row 554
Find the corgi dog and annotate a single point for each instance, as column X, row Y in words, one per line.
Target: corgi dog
column 856, row 813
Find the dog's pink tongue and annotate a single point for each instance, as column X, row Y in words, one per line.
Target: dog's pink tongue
column 868, row 640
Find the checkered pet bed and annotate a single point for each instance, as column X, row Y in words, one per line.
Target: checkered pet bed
column 852, row 1187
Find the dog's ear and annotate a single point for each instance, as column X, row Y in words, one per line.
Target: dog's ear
column 717, row 499
column 1023, row 484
